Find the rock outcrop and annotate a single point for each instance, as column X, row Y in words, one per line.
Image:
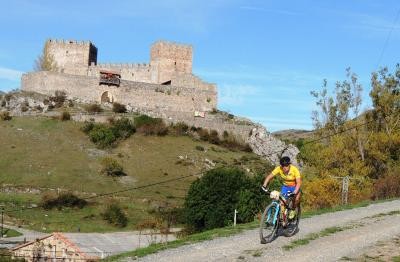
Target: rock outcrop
column 266, row 145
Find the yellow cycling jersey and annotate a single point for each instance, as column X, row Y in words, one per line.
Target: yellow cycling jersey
column 289, row 179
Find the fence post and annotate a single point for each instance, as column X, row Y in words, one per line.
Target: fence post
column 234, row 218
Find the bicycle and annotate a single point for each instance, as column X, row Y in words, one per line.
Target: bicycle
column 276, row 216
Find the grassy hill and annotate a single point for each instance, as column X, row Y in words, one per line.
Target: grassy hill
column 42, row 155
column 292, row 134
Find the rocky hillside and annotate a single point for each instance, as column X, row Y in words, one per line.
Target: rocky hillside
column 262, row 142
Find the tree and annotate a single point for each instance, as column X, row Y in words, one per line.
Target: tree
column 45, row 61
column 385, row 95
column 212, row 199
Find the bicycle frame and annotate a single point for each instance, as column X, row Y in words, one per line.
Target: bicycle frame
column 278, row 203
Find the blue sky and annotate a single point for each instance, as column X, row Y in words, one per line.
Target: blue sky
column 265, row 56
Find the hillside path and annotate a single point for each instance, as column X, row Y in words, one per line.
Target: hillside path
column 365, row 227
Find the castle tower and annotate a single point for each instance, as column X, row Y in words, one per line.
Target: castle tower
column 169, row 59
column 72, row 57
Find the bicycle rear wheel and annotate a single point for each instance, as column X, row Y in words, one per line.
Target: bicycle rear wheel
column 269, row 223
column 293, row 224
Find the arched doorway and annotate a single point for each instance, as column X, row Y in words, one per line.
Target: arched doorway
column 106, row 97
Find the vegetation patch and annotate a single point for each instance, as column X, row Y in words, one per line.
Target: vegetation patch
column 114, row 215
column 63, row 200
column 111, row 167
column 308, row 238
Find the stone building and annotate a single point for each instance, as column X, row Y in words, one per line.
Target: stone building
column 166, row 83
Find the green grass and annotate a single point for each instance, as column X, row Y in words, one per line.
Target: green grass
column 48, row 155
column 308, row 238
column 8, row 232
column 396, row 259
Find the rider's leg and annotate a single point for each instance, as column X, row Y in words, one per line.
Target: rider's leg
column 297, row 200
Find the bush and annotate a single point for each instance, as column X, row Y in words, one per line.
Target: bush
column 3, row 103
column 102, row 136
column 65, row 116
column 88, row 126
column 146, row 120
column 5, row 116
column 387, row 186
column 200, row 148
column 93, row 108
column 111, row 167
column 212, row 199
column 63, row 200
column 180, row 128
column 203, row 134
column 114, row 215
column 150, row 126
column 214, row 137
column 58, row 98
column 122, row 128
column 118, row 108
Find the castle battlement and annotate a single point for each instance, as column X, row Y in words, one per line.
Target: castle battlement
column 121, row 66
column 165, row 82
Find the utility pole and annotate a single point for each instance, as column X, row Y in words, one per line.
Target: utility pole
column 2, row 220
column 345, row 188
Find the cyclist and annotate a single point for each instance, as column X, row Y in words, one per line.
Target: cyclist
column 291, row 180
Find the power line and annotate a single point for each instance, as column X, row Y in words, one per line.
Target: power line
column 192, row 175
column 387, row 38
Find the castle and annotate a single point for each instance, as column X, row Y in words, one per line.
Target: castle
column 165, row 87
column 166, row 83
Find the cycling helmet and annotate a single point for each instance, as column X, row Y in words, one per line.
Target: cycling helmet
column 284, row 161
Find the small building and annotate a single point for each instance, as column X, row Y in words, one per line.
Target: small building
column 85, row 246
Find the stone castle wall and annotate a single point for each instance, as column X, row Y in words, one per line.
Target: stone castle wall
column 138, row 95
column 72, row 57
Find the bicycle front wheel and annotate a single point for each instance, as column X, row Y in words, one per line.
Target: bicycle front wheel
column 269, row 223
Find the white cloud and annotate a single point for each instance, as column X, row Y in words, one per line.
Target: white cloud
column 10, row 74
column 267, row 10
column 234, row 95
column 274, row 124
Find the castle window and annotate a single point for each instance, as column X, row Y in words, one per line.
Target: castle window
column 66, row 52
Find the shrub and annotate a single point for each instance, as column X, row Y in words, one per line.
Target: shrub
column 5, row 116
column 150, row 126
column 3, row 103
column 87, row 126
column 387, row 186
column 8, row 97
column 212, row 199
column 63, row 200
column 203, row 134
column 118, row 108
column 146, row 120
column 65, row 116
column 93, row 108
column 200, row 148
column 102, row 136
column 214, row 137
column 180, row 128
column 122, row 128
column 58, row 98
column 70, row 103
column 111, row 167
column 114, row 215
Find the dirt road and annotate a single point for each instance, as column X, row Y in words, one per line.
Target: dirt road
column 356, row 230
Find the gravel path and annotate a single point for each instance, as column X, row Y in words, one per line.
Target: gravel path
column 364, row 231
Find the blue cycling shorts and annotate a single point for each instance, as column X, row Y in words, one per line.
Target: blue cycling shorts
column 285, row 190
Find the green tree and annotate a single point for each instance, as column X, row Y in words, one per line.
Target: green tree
column 212, row 199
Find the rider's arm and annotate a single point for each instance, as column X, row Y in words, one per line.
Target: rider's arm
column 267, row 179
column 298, row 184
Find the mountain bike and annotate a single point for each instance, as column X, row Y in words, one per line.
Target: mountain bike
column 277, row 216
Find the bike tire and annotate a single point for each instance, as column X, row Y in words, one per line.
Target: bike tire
column 268, row 228
column 293, row 225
